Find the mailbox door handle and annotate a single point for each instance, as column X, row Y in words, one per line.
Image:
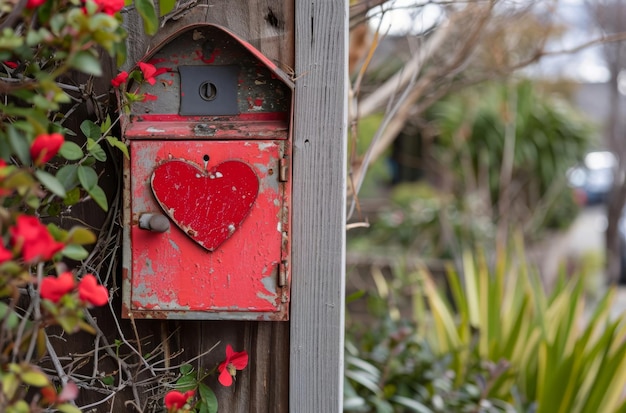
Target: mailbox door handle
column 154, row 222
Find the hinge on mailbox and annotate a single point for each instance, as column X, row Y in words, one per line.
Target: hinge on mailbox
column 283, row 170
column 282, row 273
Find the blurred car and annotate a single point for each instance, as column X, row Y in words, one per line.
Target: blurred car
column 592, row 180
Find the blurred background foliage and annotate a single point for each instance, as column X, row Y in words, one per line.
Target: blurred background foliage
column 446, row 180
column 465, row 161
column 491, row 341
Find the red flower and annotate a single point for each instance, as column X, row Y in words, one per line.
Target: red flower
column 44, row 147
column 175, row 400
column 53, row 288
column 92, row 293
column 69, row 392
column 147, row 97
column 160, row 71
column 5, row 254
column 33, row 239
column 31, row 4
column 119, row 79
column 228, row 368
column 149, row 71
column 109, row 7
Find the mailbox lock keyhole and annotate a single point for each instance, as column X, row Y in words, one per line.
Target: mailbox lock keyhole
column 208, row 91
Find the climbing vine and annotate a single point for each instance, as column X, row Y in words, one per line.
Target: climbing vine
column 52, row 274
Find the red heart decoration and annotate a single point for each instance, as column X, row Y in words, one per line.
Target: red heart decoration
column 208, row 206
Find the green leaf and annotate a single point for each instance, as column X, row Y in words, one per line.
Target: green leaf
column 75, row 252
column 19, row 406
column 113, row 141
column 87, row 177
column 33, row 37
column 86, row 62
column 97, row 152
column 57, row 22
column 44, row 103
column 89, row 161
column 10, row 384
column 53, row 209
column 19, row 144
column 185, row 383
column 50, row 182
column 108, row 380
column 68, row 176
column 68, row 408
column 6, row 313
column 33, row 201
column 86, row 327
column 106, row 124
column 185, row 369
column 355, row 296
column 411, row 404
column 148, row 14
column 19, row 179
column 72, row 197
column 208, row 397
column 99, row 196
column 56, row 232
column 24, row 126
column 35, row 378
column 10, row 40
column 71, row 151
column 166, row 6
column 203, row 408
column 90, row 130
column 81, row 236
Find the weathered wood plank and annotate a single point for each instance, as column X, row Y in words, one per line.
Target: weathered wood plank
column 318, row 254
column 263, row 386
column 266, row 24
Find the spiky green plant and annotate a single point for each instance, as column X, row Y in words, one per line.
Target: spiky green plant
column 562, row 356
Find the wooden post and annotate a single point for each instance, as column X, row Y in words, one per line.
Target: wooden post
column 318, row 255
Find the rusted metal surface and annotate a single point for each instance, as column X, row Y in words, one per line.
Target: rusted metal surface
column 202, row 129
column 223, row 181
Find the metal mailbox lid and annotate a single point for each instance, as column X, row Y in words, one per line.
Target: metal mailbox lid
column 259, row 85
column 170, row 275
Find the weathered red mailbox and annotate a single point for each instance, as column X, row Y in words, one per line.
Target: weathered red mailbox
column 207, row 186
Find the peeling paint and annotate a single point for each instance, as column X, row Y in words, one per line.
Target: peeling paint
column 173, row 244
column 272, row 299
column 270, row 284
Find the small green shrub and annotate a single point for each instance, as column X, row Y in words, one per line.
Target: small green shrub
column 424, row 222
column 391, row 368
column 394, row 370
column 492, row 340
